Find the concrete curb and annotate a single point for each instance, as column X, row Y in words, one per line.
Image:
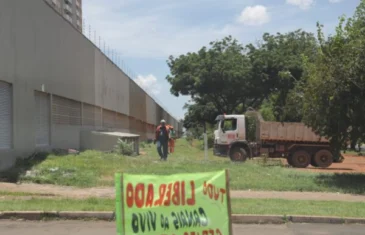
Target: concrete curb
column 236, row 219
column 64, row 215
column 279, row 219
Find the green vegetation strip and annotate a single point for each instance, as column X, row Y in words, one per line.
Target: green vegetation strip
column 239, row 206
column 92, row 168
column 17, row 194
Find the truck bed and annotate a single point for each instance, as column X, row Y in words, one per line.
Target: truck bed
column 286, row 131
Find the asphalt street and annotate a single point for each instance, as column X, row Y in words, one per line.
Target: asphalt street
column 108, row 228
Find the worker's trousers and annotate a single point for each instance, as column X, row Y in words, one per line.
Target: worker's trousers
column 162, row 149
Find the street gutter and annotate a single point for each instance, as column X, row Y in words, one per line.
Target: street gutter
column 236, row 218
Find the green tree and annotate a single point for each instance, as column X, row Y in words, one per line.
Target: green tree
column 217, row 77
column 198, row 114
column 334, row 96
column 277, row 71
column 266, row 111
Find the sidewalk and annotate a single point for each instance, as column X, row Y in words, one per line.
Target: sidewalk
column 77, row 193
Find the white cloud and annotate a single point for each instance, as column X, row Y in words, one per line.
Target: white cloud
column 255, row 15
column 303, row 4
column 149, row 83
column 133, row 31
column 335, row 1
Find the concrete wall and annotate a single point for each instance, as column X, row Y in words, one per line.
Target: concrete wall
column 112, row 87
column 159, row 114
column 151, row 109
column 137, row 102
column 41, row 51
column 165, row 115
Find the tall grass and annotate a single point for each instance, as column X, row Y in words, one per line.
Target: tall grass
column 92, row 168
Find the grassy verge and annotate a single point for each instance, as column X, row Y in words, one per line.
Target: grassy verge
column 239, row 206
column 93, row 168
column 298, row 207
column 16, row 194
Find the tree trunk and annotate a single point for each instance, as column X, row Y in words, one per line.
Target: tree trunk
column 353, row 145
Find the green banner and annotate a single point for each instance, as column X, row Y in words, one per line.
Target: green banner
column 181, row 204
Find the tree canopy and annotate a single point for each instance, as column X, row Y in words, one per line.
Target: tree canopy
column 218, row 75
column 277, row 69
column 335, row 93
column 292, row 76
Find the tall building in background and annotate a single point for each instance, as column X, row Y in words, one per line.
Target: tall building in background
column 71, row 10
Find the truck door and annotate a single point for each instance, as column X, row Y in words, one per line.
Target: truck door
column 229, row 131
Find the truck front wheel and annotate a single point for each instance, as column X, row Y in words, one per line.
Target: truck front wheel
column 300, row 159
column 238, row 154
column 323, row 158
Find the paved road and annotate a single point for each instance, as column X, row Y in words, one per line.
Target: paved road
column 108, row 228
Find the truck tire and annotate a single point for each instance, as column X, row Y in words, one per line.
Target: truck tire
column 238, row 154
column 323, row 158
column 301, row 159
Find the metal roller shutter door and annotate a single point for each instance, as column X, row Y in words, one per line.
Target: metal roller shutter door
column 5, row 116
column 42, row 112
column 66, row 111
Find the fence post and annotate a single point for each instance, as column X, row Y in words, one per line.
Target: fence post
column 95, row 37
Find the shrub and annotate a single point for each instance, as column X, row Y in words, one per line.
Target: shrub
column 143, row 144
column 190, row 138
column 210, row 140
column 124, row 148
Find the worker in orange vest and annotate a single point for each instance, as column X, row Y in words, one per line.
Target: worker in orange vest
column 162, row 137
column 172, row 139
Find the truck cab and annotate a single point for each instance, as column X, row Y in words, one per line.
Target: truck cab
column 231, row 132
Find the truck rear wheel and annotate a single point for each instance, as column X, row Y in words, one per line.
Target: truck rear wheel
column 238, row 155
column 300, row 159
column 323, row 158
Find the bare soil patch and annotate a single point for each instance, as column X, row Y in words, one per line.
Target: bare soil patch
column 53, row 191
column 351, row 164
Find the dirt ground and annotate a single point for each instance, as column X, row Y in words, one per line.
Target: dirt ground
column 53, row 191
column 351, row 164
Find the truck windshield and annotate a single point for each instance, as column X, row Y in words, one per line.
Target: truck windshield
column 229, row 125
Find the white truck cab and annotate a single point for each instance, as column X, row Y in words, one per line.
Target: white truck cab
column 230, row 129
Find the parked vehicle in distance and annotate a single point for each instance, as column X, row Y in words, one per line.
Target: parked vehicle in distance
column 247, row 136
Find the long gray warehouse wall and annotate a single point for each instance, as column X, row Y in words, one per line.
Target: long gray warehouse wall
column 41, row 51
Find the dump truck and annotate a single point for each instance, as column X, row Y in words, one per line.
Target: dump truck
column 242, row 137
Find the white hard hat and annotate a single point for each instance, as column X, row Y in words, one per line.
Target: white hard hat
column 163, row 121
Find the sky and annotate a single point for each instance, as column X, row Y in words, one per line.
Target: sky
column 146, row 32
